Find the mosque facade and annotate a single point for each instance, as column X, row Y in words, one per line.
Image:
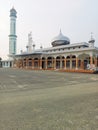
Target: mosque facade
column 63, row 56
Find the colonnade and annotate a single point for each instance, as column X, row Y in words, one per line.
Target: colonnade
column 59, row 62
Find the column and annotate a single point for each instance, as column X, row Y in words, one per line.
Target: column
column 32, row 63
column 26, row 63
column 22, row 63
column 46, row 64
column 65, row 63
column 54, row 65
column 60, row 62
column 40, row 63
column 95, row 61
column 91, row 60
column 70, row 63
column 76, row 63
column 82, row 64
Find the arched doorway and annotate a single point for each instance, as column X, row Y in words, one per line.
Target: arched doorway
column 36, row 63
column 24, row 62
column 63, row 62
column 58, row 62
column 68, row 62
column 84, row 60
column 30, row 63
column 43, row 62
column 73, row 58
column 50, row 62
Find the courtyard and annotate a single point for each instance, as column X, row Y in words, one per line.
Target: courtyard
column 48, row 100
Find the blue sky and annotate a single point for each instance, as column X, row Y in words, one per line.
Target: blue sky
column 76, row 18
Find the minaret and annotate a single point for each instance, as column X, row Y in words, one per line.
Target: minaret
column 29, row 45
column 12, row 36
column 91, row 41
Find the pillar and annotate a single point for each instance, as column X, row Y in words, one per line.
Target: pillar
column 26, row 62
column 76, row 63
column 46, row 64
column 70, row 64
column 95, row 61
column 65, row 63
column 91, row 60
column 60, row 62
column 54, row 65
column 40, row 63
column 32, row 63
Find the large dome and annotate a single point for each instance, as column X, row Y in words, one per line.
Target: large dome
column 60, row 40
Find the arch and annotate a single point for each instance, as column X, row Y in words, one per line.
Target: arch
column 49, row 58
column 58, row 62
column 43, row 62
column 73, row 61
column 83, row 56
column 43, row 58
column 73, row 56
column 24, row 62
column 30, row 62
column 30, row 59
column 58, row 57
column 63, row 57
column 84, row 59
column 67, row 57
column 24, row 59
column 36, row 62
column 35, row 58
column 50, row 62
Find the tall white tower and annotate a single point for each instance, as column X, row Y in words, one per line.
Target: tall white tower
column 12, row 36
column 30, row 41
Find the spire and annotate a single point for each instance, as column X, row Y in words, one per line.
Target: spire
column 91, row 35
column 91, row 41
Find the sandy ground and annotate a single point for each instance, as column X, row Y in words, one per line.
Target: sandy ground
column 46, row 100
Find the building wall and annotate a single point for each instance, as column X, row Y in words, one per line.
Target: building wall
column 59, row 61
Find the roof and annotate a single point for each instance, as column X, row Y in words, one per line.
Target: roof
column 60, row 37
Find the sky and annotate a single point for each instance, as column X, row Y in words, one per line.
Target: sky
column 44, row 18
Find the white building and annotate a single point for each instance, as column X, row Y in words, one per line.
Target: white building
column 77, row 57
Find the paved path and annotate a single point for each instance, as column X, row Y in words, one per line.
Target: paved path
column 16, row 79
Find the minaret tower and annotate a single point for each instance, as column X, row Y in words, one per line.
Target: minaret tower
column 91, row 41
column 12, row 36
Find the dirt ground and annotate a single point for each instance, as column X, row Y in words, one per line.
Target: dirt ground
column 48, row 100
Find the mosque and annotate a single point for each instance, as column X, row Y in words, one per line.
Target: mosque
column 63, row 56
column 77, row 57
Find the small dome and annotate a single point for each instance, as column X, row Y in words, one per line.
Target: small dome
column 13, row 12
column 60, row 40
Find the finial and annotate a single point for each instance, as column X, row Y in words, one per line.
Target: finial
column 92, row 40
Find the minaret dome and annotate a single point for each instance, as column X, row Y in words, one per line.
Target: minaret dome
column 13, row 12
